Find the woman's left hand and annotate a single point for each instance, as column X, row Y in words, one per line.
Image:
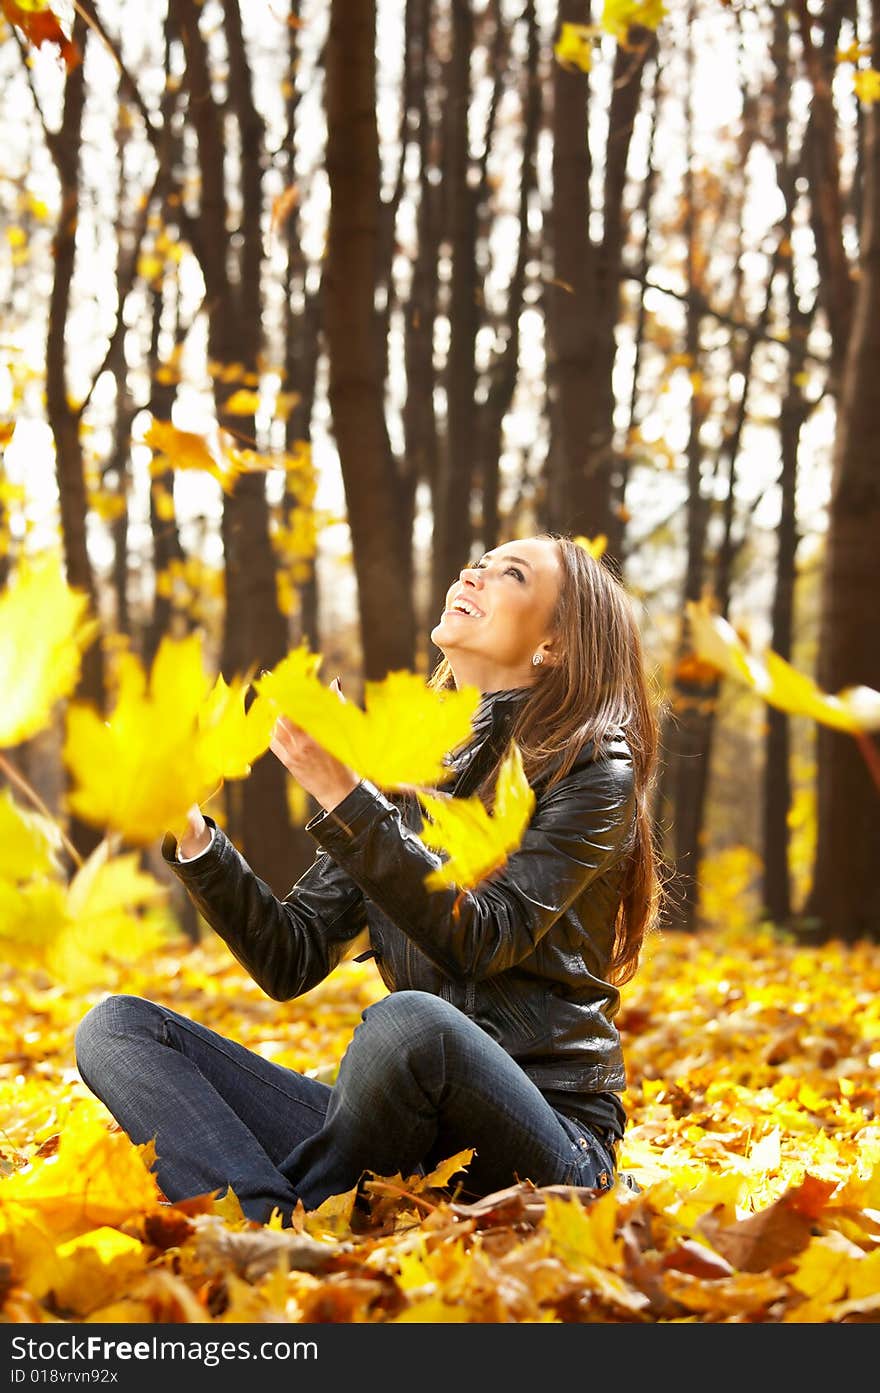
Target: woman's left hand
column 321, row 774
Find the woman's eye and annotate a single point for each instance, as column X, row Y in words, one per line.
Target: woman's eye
column 516, row 571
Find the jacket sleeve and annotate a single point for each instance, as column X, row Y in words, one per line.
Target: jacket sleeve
column 288, row 945
column 577, row 832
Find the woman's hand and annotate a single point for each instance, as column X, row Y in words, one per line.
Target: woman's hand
column 197, row 835
column 321, row 774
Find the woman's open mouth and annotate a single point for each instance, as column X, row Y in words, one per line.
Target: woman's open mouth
column 465, row 608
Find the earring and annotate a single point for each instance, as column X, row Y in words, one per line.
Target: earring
column 537, row 660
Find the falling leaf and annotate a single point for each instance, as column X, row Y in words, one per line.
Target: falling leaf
column 181, row 449
column 852, row 54
column 477, row 842
column 165, row 745
column 619, row 16
column 30, row 843
column 242, row 403
column 110, row 911
column 595, row 546
column 40, row 26
column 866, row 84
column 854, row 709
column 43, row 633
column 401, row 736
column 232, row 738
column 574, row 47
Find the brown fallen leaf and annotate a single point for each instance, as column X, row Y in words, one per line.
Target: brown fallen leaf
column 697, row 1261
column 253, row 1253
column 774, row 1235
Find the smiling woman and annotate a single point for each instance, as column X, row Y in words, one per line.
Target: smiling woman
column 497, row 623
column 497, row 1036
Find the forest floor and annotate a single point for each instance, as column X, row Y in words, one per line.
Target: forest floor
column 753, row 1133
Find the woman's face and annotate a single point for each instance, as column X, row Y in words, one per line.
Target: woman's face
column 497, row 615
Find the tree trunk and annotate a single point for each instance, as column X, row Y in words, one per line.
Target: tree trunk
column 379, row 541
column 452, row 506
column 420, row 427
column 255, row 632
column 504, row 371
column 683, row 735
column 776, row 889
column 845, row 897
column 63, row 419
column 576, row 499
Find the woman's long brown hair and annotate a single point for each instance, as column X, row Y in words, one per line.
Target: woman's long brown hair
column 598, row 685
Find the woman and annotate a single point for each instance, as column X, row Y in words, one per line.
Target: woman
column 498, row 1029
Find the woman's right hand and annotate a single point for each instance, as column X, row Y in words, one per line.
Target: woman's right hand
column 197, row 835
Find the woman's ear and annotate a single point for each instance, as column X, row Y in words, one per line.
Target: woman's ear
column 550, row 653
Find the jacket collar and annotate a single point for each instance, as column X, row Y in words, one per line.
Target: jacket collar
column 498, row 708
column 492, row 717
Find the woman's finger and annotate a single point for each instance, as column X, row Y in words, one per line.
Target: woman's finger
column 286, row 725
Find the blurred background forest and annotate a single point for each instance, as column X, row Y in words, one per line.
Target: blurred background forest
column 306, row 303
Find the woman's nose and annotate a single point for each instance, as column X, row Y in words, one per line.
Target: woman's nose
column 471, row 576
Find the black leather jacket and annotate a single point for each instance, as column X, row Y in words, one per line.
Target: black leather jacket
column 523, row 953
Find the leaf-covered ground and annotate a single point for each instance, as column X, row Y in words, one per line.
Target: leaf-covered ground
column 753, row 1134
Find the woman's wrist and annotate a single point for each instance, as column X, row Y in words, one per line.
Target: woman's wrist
column 198, row 835
column 330, row 797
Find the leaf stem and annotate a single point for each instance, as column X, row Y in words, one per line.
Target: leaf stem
column 21, row 782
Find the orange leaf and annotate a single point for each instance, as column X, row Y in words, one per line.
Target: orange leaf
column 41, row 27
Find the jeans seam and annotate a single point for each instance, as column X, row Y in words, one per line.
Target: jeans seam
column 166, row 1024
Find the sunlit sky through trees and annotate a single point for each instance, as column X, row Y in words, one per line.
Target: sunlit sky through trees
column 725, row 64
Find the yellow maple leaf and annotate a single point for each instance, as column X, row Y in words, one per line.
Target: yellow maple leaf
column 823, row 1272
column 218, row 456
column 478, row 842
column 180, row 449
column 442, row 1173
column 585, row 1239
column 400, row 737
column 866, row 83
column 111, row 911
column 619, row 16
column 332, row 1218
column 584, row 1234
column 30, row 843
column 90, row 1270
column 96, row 1177
column 574, row 47
column 232, row 737
column 44, row 631
column 242, row 403
column 31, row 918
column 594, row 545
column 854, row 709
column 247, row 461
column 162, row 749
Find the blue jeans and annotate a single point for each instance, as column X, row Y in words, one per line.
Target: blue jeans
column 419, row 1082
